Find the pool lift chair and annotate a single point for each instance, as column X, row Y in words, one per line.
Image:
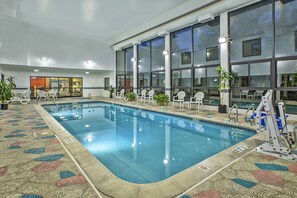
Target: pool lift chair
column 280, row 141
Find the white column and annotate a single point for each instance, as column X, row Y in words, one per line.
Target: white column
column 167, row 66
column 224, row 52
column 135, row 65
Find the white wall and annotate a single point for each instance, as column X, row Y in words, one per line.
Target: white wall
column 92, row 82
column 24, row 44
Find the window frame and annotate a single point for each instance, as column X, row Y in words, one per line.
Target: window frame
column 252, row 49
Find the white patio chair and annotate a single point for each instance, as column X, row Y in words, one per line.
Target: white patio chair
column 179, row 98
column 197, row 99
column 52, row 94
column 120, row 95
column 41, row 94
column 244, row 93
column 258, row 93
column 141, row 95
column 150, row 96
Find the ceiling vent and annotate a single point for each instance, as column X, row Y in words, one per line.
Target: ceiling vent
column 205, row 18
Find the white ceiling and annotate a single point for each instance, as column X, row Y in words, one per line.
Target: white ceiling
column 102, row 20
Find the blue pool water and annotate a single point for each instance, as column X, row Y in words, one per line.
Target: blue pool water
column 142, row 146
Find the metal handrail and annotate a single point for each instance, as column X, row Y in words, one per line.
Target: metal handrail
column 235, row 119
column 251, row 107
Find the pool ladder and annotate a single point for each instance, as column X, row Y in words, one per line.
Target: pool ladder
column 234, row 119
column 252, row 107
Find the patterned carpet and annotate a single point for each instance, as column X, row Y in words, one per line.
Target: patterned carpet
column 33, row 164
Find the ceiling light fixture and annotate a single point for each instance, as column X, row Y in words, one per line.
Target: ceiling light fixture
column 36, row 70
column 44, row 59
column 87, row 72
column 89, row 62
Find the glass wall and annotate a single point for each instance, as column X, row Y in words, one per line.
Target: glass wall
column 269, row 55
column 124, row 69
column 194, row 58
column 151, row 64
column 65, row 87
column 251, row 31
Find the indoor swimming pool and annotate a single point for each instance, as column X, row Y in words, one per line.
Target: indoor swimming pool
column 141, row 146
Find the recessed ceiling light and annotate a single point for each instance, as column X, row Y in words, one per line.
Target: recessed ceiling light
column 36, row 70
column 87, row 72
column 44, row 59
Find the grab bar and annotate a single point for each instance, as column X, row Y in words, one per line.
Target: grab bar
column 252, row 107
column 235, row 119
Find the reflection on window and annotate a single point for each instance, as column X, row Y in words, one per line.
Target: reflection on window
column 285, row 28
column 206, row 37
column 242, row 72
column 287, row 73
column 181, row 48
column 251, row 47
column 254, row 21
column 199, row 77
column 212, row 77
column 106, row 83
column 260, row 74
column 129, row 63
column 158, row 59
column 120, row 61
column 144, row 57
column 144, row 79
column 296, row 41
column 158, row 79
column 181, row 78
column 212, row 53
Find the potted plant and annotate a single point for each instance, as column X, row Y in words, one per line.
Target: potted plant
column 111, row 90
column 161, row 99
column 224, row 82
column 6, row 87
column 131, row 96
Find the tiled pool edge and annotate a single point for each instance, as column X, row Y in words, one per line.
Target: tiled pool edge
column 110, row 185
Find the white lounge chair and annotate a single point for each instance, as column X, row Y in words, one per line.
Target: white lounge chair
column 197, row 99
column 150, row 96
column 26, row 97
column 121, row 94
column 141, row 95
column 244, row 93
column 179, row 98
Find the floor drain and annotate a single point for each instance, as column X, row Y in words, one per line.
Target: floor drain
column 240, row 148
column 68, row 140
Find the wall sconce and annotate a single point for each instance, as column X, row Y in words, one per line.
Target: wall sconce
column 165, row 52
column 133, row 59
column 224, row 39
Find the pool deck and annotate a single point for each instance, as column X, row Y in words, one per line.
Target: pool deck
column 36, row 163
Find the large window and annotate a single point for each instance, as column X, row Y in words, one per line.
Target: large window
column 296, row 41
column 287, row 73
column 182, row 78
column 181, row 48
column 206, row 49
column 285, row 28
column 124, row 69
column 151, row 64
column 251, row 31
column 65, row 86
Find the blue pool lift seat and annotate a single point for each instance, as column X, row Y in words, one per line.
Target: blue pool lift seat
column 263, row 115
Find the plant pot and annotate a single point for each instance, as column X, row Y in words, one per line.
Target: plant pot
column 3, row 106
column 222, row 108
